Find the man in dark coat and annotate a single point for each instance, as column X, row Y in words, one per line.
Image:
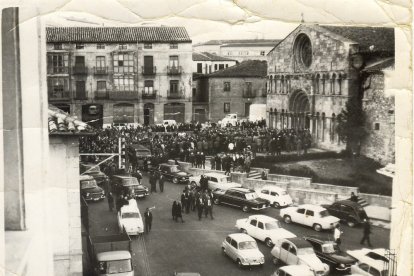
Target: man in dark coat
column 110, row 198
column 367, row 232
column 148, row 220
column 161, row 183
column 200, row 206
column 208, row 206
column 178, row 213
column 153, row 182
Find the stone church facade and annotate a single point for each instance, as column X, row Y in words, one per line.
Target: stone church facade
column 316, row 69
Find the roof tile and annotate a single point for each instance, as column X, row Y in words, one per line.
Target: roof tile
column 60, row 123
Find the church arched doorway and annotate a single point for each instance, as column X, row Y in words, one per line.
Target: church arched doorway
column 299, row 107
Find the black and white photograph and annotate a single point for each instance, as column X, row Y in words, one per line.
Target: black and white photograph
column 206, row 138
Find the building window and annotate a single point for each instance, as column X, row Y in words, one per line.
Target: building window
column 100, row 62
column 101, row 85
column 174, row 61
column 174, row 87
column 148, row 87
column 100, row 46
column 123, row 63
column 57, row 87
column 227, row 66
column 147, row 46
column 199, row 68
column 262, row 53
column 173, row 45
column 122, row 47
column 226, row 107
column 79, row 46
column 303, row 50
column 227, row 86
column 57, row 46
column 57, row 63
column 376, row 126
column 221, row 66
column 215, row 67
column 124, row 83
column 229, row 53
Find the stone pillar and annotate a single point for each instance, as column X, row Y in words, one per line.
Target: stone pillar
column 276, row 85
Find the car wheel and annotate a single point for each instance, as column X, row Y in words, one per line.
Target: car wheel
column 246, row 209
column 317, row 227
column 216, row 201
column 239, row 263
column 175, row 180
column 276, row 205
column 351, row 223
column 287, row 219
column 275, row 261
column 244, row 231
column 269, row 242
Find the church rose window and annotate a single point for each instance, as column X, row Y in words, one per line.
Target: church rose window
column 303, row 50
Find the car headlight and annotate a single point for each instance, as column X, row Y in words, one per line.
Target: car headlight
column 325, row 267
column 342, row 266
column 261, row 259
column 87, row 194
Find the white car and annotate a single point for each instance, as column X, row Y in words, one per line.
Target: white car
column 293, row 270
column 278, row 197
column 371, row 262
column 215, row 181
column 242, row 249
column 263, row 228
column 130, row 220
column 297, row 251
column 314, row 216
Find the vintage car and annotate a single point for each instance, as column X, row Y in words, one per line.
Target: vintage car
column 89, row 190
column 328, row 252
column 173, row 173
column 263, row 228
column 215, row 181
column 295, row 251
column 94, row 171
column 371, row 262
column 242, row 249
column 128, row 185
column 246, row 199
column 278, row 197
column 347, row 211
column 294, row 270
column 314, row 216
column 130, row 220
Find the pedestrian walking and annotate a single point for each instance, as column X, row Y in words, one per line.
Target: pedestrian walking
column 366, row 233
column 161, row 183
column 337, row 235
column 174, row 210
column 148, row 220
column 200, row 206
column 153, row 182
column 208, row 207
column 178, row 213
column 110, row 199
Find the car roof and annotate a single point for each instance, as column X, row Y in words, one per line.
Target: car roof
column 113, row 256
column 316, row 239
column 243, row 190
column 166, row 164
column 299, row 242
column 239, row 237
column 262, row 218
column 129, row 209
column 296, row 269
column 311, row 207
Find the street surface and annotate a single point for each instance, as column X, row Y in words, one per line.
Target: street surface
column 195, row 246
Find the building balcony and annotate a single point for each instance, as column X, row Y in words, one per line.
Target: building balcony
column 79, row 70
column 175, row 94
column 174, row 70
column 249, row 94
column 100, row 70
column 149, row 95
column 55, row 96
column 57, row 70
column 149, row 70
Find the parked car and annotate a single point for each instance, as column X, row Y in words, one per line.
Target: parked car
column 371, row 262
column 242, row 249
column 329, row 253
column 278, row 197
column 168, row 123
column 295, row 251
column 215, row 181
column 246, row 199
column 89, row 190
column 263, row 228
column 314, row 216
column 294, row 270
column 347, row 211
column 94, row 171
column 130, row 220
column 126, row 184
column 173, row 173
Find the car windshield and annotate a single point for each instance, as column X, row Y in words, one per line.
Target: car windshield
column 174, row 169
column 130, row 215
column 130, row 181
column 328, row 248
column 247, row 245
column 88, row 184
column 272, row 225
column 115, row 267
column 324, row 213
column 251, row 196
column 305, row 251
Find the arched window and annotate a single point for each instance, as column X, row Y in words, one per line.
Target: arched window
column 282, row 85
column 323, row 84
column 340, row 85
column 333, row 84
column 270, row 86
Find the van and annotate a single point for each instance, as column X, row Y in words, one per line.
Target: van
column 128, row 185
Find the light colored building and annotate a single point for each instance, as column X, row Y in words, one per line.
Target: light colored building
column 121, row 75
column 314, row 72
column 238, row 49
column 206, row 63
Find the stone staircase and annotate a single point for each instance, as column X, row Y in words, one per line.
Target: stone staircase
column 255, row 174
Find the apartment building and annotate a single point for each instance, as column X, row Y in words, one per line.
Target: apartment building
column 120, row 75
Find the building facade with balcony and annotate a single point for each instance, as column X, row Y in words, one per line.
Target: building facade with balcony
column 120, row 75
column 232, row 90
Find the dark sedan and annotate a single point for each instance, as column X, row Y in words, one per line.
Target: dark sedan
column 347, row 211
column 246, row 199
column 329, row 253
column 173, row 173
